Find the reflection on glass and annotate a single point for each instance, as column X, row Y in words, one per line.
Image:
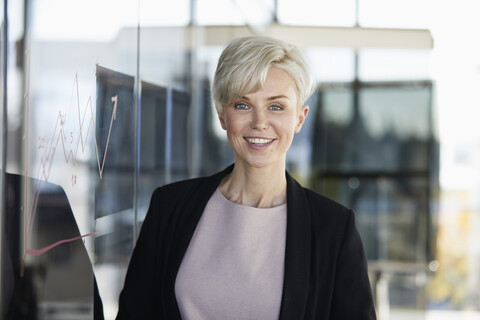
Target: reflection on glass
column 163, row 154
column 42, row 268
column 153, row 138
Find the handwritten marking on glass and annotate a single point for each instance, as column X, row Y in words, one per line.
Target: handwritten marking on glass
column 63, row 139
column 52, row 246
column 114, row 116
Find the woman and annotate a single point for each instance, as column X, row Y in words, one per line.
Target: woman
column 250, row 242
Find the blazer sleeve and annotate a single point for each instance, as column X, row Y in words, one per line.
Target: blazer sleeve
column 138, row 296
column 352, row 296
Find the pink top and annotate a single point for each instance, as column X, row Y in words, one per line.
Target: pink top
column 234, row 265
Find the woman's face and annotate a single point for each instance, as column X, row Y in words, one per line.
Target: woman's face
column 260, row 126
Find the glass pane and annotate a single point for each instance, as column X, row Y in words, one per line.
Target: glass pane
column 3, row 73
column 72, row 157
column 409, row 14
column 394, row 64
column 114, row 136
column 218, row 12
column 5, row 287
column 235, row 12
column 388, row 130
column 84, row 21
column 331, row 64
column 153, row 137
column 165, row 13
column 317, row 12
column 402, row 112
column 165, row 101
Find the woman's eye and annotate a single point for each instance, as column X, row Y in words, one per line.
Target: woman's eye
column 241, row 106
column 275, row 107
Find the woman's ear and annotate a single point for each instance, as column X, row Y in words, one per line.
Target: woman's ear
column 302, row 115
column 222, row 119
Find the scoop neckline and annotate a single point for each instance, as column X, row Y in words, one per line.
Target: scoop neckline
column 221, row 195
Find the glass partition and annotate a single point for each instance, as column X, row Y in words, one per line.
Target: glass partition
column 3, row 121
column 109, row 100
column 71, row 152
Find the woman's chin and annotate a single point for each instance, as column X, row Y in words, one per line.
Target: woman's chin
column 259, row 164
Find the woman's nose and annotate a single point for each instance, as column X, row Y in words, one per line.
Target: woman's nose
column 259, row 120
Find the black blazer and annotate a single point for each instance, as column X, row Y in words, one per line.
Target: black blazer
column 325, row 266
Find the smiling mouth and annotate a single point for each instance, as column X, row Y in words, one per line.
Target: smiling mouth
column 259, row 141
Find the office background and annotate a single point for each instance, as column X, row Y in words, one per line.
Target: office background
column 103, row 101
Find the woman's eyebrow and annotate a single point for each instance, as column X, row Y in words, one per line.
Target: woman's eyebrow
column 268, row 98
column 278, row 97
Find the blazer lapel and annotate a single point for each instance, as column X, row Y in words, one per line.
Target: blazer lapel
column 297, row 253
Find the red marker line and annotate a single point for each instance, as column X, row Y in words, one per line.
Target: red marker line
column 38, row 252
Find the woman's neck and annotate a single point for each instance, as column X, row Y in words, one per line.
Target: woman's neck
column 255, row 187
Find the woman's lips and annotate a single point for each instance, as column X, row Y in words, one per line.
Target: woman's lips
column 259, row 143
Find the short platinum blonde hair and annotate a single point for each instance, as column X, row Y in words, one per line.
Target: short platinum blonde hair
column 244, row 63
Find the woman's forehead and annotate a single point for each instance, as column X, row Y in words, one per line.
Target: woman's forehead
column 278, row 84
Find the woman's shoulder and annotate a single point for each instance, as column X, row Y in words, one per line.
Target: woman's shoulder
column 325, row 207
column 178, row 188
column 331, row 220
column 322, row 200
column 200, row 185
column 322, row 209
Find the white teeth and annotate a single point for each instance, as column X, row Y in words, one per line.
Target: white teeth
column 259, row 140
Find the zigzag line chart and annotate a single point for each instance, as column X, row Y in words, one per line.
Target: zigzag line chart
column 65, row 144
